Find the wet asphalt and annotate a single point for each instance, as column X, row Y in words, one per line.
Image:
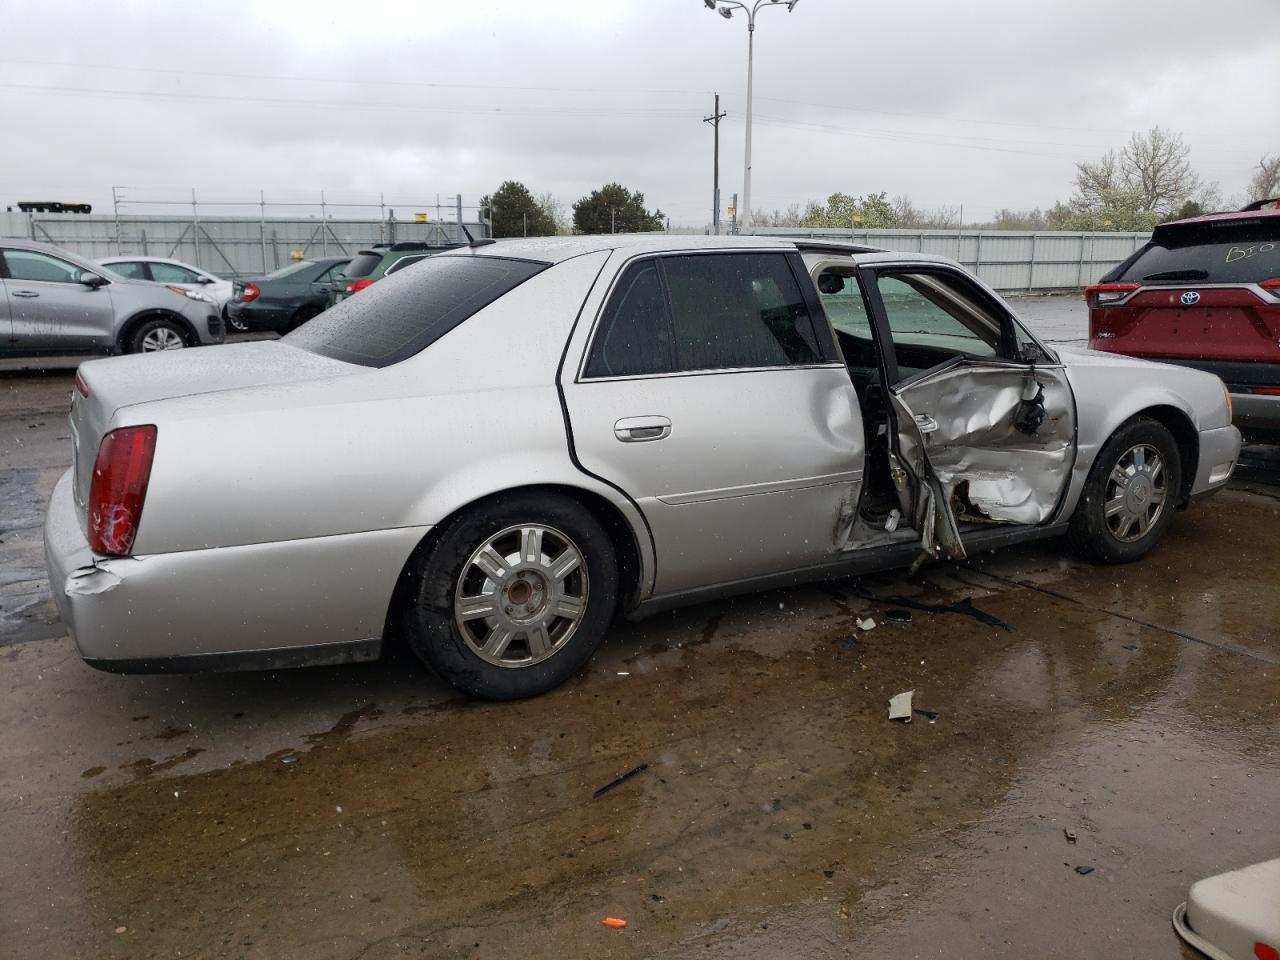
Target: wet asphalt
column 1122, row 719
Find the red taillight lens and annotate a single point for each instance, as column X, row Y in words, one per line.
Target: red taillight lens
column 82, row 386
column 250, row 293
column 1264, row 951
column 355, row 286
column 1106, row 294
column 119, row 487
column 1266, row 391
column 1272, row 287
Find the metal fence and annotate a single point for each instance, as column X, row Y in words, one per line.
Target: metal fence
column 1007, row 260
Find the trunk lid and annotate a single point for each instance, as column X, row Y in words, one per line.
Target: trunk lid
column 1223, row 323
column 121, row 382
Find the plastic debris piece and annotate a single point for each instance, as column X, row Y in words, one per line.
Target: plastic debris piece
column 288, row 759
column 900, row 707
column 616, row 922
column 930, row 715
column 618, row 781
column 1071, row 837
column 122, row 929
column 892, row 520
column 1084, row 871
column 864, row 625
column 898, row 616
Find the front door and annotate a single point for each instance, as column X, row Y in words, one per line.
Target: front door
column 985, row 419
column 51, row 311
column 712, row 394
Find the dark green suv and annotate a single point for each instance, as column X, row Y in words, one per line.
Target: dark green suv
column 381, row 260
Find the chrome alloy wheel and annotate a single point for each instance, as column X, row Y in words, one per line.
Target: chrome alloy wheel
column 162, row 338
column 521, row 595
column 1137, row 489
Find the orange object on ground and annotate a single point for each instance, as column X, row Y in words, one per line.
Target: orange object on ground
column 614, row 922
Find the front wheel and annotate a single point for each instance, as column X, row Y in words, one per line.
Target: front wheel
column 515, row 597
column 1129, row 499
column 158, row 334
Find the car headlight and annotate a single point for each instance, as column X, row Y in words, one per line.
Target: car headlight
column 192, row 294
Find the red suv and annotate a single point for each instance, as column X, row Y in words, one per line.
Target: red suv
column 1204, row 293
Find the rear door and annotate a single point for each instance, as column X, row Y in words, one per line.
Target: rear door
column 985, row 417
column 51, row 311
column 712, row 394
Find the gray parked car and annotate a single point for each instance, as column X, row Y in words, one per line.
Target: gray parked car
column 53, row 302
column 495, row 452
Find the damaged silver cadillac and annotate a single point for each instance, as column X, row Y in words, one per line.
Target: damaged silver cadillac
column 496, row 451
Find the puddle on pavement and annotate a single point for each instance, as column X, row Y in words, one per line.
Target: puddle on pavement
column 780, row 807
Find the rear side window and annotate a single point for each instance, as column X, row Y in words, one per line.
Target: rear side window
column 131, row 270
column 706, row 312
column 364, row 263
column 402, row 315
column 1228, row 252
column 171, row 273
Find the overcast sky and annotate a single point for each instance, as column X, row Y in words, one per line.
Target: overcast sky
column 985, row 103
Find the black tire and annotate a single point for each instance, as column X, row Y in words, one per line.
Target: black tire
column 156, row 327
column 438, row 578
column 302, row 316
column 1090, row 531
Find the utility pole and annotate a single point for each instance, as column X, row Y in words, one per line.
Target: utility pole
column 714, row 120
column 733, row 216
column 115, row 205
column 613, row 220
column 461, row 236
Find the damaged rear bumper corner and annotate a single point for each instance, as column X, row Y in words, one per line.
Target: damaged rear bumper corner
column 1219, row 452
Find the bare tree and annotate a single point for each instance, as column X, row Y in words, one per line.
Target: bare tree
column 1265, row 183
column 554, row 209
column 1156, row 165
column 1148, row 181
column 907, row 213
column 944, row 217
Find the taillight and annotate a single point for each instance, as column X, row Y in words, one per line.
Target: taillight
column 1107, row 294
column 82, row 386
column 355, row 286
column 119, row 487
column 250, row 293
column 1272, row 287
column 1266, row 391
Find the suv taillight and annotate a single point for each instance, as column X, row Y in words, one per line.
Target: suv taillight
column 120, row 475
column 1272, row 287
column 1107, row 294
column 250, row 293
column 355, row 286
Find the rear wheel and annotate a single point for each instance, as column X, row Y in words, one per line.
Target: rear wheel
column 515, row 597
column 1130, row 496
column 152, row 336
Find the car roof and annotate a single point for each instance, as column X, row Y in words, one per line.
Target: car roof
column 18, row 244
column 123, row 257
column 1225, row 217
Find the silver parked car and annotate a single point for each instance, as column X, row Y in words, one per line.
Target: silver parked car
column 496, row 451
column 53, row 302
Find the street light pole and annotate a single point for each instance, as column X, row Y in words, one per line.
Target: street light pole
column 725, row 8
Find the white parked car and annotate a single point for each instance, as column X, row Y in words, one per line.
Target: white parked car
column 172, row 273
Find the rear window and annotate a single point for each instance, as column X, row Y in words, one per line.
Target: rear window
column 1228, row 252
column 364, row 263
column 402, row 315
column 290, row 269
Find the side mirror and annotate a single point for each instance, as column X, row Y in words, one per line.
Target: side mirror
column 205, row 280
column 1031, row 353
column 91, row 279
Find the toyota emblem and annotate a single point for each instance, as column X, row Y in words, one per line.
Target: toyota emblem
column 1190, row 298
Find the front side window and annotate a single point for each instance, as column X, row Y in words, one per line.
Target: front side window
column 171, row 273
column 130, row 270
column 705, row 312
column 33, row 265
column 402, row 315
column 931, row 320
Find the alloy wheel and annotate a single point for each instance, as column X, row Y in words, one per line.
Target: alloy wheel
column 1136, row 493
column 162, row 338
column 521, row 595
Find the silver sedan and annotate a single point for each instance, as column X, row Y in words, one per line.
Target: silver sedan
column 496, row 451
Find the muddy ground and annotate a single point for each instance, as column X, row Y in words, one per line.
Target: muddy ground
column 369, row 812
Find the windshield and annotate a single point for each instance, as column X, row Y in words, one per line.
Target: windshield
column 403, row 314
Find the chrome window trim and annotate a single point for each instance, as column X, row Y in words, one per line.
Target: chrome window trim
column 716, row 371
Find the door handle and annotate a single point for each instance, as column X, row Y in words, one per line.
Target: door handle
column 926, row 423
column 640, row 429
column 25, row 293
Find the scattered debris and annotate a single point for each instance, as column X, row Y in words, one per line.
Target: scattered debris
column 898, row 616
column 657, row 898
column 930, row 715
column 624, row 673
column 1084, row 871
column 1129, row 646
column 122, row 929
column 616, row 922
column 847, row 644
column 963, row 607
column 865, row 625
column 828, row 874
column 900, row 707
column 891, row 522
column 1071, row 837
column 618, row 781
column 288, row 759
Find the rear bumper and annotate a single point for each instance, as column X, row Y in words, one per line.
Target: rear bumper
column 1258, row 417
column 290, row 603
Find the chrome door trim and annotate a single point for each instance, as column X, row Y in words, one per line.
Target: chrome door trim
column 755, row 489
